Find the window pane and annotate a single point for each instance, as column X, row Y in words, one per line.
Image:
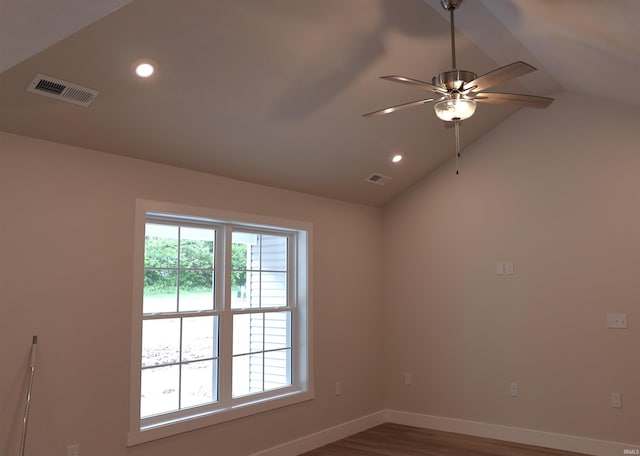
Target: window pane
column 160, row 342
column 196, row 248
column 253, row 289
column 239, row 297
column 247, row 374
column 160, row 291
column 159, row 388
column 253, row 369
column 196, row 290
column 240, row 243
column 160, row 246
column 261, row 270
column 199, row 383
column 273, row 289
column 239, row 258
column 199, row 338
column 248, row 333
column 276, row 330
column 246, row 246
column 274, row 253
column 277, row 370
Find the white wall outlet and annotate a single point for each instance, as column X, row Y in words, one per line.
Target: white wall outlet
column 616, row 400
column 514, row 390
column 617, row 321
column 73, row 450
column 500, row 268
column 338, row 388
column 408, row 380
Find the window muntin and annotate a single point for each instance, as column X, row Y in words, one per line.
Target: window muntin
column 193, row 308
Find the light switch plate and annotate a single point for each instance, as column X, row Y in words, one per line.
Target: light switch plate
column 514, row 390
column 616, row 400
column 407, row 378
column 508, row 268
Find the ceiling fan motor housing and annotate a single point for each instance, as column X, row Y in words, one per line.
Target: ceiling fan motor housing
column 453, row 80
column 460, row 89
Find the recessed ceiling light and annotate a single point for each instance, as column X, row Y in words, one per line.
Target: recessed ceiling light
column 144, row 68
column 396, row 158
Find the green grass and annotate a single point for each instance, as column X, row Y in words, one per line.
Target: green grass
column 161, row 292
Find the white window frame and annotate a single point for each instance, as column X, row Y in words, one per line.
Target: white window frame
column 300, row 306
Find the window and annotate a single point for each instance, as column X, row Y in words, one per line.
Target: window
column 221, row 323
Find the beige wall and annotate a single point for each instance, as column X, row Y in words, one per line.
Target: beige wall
column 556, row 192
column 66, row 272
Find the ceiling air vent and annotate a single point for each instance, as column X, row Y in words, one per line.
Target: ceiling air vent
column 378, row 179
column 62, row 90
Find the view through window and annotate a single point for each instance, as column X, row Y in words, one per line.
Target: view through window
column 222, row 321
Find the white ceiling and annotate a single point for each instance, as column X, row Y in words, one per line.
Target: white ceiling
column 589, row 46
column 29, row 26
column 271, row 91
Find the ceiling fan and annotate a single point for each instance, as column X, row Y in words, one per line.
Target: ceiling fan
column 458, row 91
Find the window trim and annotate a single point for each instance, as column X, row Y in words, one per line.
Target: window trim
column 302, row 388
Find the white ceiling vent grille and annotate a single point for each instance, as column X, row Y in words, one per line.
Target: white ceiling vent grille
column 62, row 90
column 378, row 179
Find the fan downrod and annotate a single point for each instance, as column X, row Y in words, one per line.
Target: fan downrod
column 450, row 4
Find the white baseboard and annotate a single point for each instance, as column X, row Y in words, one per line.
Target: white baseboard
column 512, row 434
column 325, row 437
column 493, row 431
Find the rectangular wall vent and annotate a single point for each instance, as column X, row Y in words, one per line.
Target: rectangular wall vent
column 62, row 90
column 378, row 179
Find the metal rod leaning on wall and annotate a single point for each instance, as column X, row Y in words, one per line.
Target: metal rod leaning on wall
column 32, row 371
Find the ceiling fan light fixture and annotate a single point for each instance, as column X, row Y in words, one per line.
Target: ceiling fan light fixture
column 455, row 110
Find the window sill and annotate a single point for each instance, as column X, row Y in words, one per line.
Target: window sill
column 186, row 424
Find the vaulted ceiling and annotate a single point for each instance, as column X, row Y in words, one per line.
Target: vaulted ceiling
column 272, row 91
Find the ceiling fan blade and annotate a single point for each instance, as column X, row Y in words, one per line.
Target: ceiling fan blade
column 391, row 109
column 416, row 82
column 531, row 101
column 500, row 75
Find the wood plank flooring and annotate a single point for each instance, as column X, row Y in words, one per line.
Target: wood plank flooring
column 397, row 440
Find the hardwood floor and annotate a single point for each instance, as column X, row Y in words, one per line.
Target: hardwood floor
column 396, row 440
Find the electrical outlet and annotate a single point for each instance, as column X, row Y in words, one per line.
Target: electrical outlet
column 338, row 388
column 617, row 321
column 73, row 450
column 407, row 378
column 513, row 390
column 616, row 400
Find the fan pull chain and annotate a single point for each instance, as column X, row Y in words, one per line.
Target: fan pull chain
column 457, row 128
